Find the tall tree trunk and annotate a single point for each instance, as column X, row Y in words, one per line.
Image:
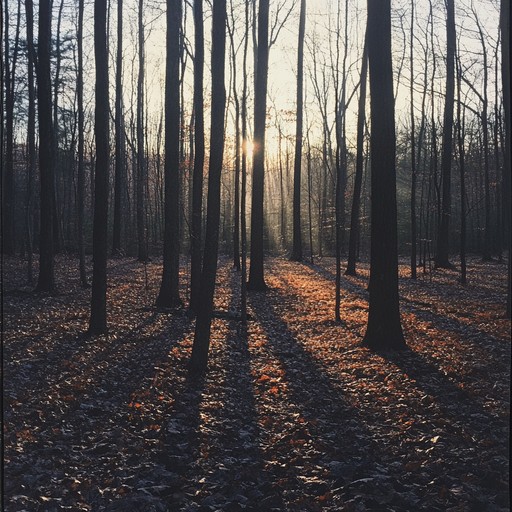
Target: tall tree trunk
column 236, row 213
column 81, row 170
column 58, row 235
column 443, row 237
column 8, row 189
column 384, row 330
column 197, row 180
column 141, row 163
column 120, row 166
column 413, row 152
column 31, row 137
column 46, row 280
column 169, row 289
column 256, row 272
column 243, row 227
column 296, row 254
column 505, row 76
column 358, row 179
column 199, row 358
column 98, row 320
column 460, row 142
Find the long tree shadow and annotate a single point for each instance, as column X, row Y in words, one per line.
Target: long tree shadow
column 235, row 476
column 339, row 441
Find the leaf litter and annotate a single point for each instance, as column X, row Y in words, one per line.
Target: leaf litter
column 293, row 415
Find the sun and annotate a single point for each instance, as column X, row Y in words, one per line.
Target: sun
column 249, row 146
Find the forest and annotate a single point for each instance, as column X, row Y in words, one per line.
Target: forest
column 255, row 255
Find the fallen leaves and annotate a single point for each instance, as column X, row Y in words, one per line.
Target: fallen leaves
column 297, row 416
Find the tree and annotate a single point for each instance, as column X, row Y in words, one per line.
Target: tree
column 413, row 151
column 384, row 330
column 197, row 178
column 169, row 288
column 256, row 271
column 358, row 179
column 8, row 190
column 46, row 280
column 120, row 171
column 505, row 77
column 199, row 358
column 141, row 162
column 443, row 234
column 31, row 136
column 297, row 231
column 98, row 319
column 81, row 176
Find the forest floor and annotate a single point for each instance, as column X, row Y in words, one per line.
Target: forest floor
column 297, row 415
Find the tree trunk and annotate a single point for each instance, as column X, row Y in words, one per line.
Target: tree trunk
column 505, row 76
column 443, row 237
column 169, row 289
column 8, row 189
column 98, row 320
column 460, row 141
column 384, row 331
column 31, row 138
column 256, row 273
column 413, row 153
column 199, row 358
column 296, row 254
column 46, row 280
column 120, row 166
column 141, row 163
column 358, row 179
column 81, row 171
column 197, row 180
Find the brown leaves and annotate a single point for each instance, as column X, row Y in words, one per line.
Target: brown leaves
column 297, row 416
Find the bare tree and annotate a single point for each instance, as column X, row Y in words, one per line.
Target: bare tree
column 98, row 319
column 120, row 169
column 197, row 179
column 199, row 358
column 169, row 288
column 443, row 236
column 256, row 272
column 384, row 330
column 297, row 229
column 46, row 280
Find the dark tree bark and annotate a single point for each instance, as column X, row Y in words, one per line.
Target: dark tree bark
column 358, row 179
column 199, row 358
column 8, row 190
column 31, row 137
column 142, row 249
column 384, row 330
column 256, row 272
column 296, row 254
column 462, row 154
column 505, row 76
column 58, row 235
column 197, row 179
column 413, row 152
column 120, row 167
column 243, row 227
column 443, row 236
column 169, row 289
column 46, row 280
column 81, row 171
column 98, row 320
column 236, row 213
